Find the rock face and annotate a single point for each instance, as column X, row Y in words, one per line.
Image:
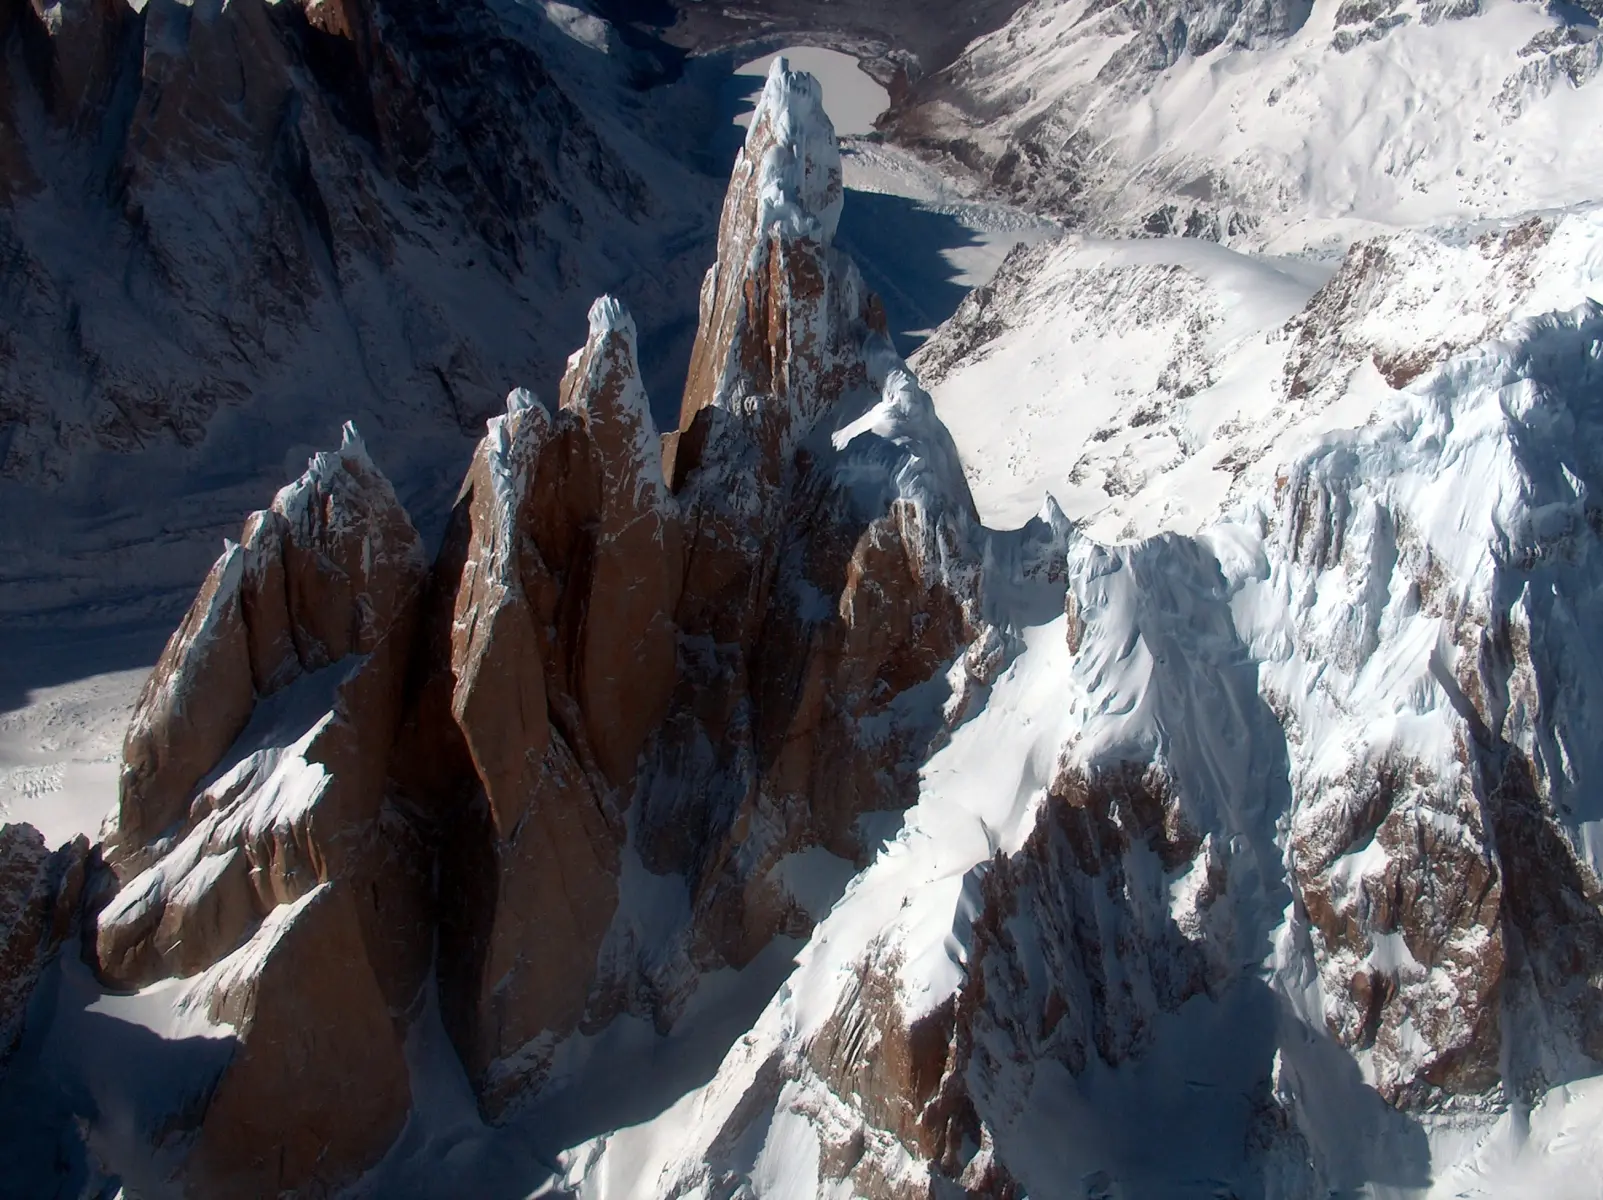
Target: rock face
column 698, row 637
column 256, row 846
column 565, row 562
column 816, row 592
column 317, row 1086
column 308, row 158
column 40, row 890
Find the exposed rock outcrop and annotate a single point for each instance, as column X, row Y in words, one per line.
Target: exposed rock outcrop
column 817, row 587
column 317, row 1087
column 1315, row 785
column 713, row 656
column 40, row 891
column 308, row 130
column 329, row 571
column 254, row 840
column 566, row 559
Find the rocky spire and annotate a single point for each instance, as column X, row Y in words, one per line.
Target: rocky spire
column 779, row 307
column 563, row 661
column 324, row 573
column 252, row 839
column 699, row 671
column 625, row 660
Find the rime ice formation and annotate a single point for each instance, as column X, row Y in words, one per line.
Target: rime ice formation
column 1271, row 837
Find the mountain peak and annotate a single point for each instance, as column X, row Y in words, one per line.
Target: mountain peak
column 792, row 147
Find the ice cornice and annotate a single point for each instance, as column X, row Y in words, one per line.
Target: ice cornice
column 512, row 442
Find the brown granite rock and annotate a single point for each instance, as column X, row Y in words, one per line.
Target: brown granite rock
column 765, row 328
column 562, row 653
column 1438, row 888
column 271, row 861
column 626, row 660
column 328, row 571
column 274, row 661
column 781, row 341
column 196, row 702
column 317, row 1087
column 352, row 560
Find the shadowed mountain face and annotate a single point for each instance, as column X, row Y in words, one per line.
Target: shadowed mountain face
column 899, row 245
column 225, row 227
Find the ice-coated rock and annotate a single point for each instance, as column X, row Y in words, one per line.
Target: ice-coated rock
column 327, row 572
column 778, row 342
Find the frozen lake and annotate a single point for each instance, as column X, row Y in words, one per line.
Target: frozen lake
column 851, row 98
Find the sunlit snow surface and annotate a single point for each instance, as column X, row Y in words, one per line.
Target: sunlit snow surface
column 59, row 753
column 1065, row 398
column 1141, row 383
column 1200, row 648
column 1348, row 126
column 64, row 705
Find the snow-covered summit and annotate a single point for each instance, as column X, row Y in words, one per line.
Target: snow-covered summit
column 791, row 148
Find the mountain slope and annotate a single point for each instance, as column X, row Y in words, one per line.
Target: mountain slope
column 1277, row 838
column 221, row 220
column 1286, row 127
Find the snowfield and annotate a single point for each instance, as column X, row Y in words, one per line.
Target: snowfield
column 1284, row 128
